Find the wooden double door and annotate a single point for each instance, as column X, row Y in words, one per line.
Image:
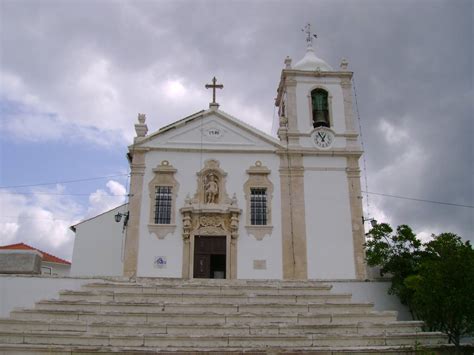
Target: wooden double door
column 210, row 257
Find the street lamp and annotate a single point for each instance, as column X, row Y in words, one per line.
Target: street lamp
column 118, row 218
column 373, row 221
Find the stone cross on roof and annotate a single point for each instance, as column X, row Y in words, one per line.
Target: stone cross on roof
column 214, row 86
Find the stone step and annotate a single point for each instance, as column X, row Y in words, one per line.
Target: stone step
column 155, row 315
column 200, row 328
column 204, row 318
column 26, row 349
column 241, row 283
column 220, row 308
column 216, row 289
column 197, row 342
column 236, row 298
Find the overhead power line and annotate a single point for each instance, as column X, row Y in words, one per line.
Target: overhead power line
column 126, row 195
column 55, row 194
column 37, row 218
column 417, row 199
column 364, row 162
column 62, row 182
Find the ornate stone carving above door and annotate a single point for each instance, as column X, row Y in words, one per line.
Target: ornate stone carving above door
column 211, row 183
column 210, row 213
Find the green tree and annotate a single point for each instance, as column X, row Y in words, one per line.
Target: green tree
column 435, row 280
column 443, row 290
column 397, row 254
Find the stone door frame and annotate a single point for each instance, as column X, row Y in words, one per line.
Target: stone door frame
column 228, row 243
column 216, row 224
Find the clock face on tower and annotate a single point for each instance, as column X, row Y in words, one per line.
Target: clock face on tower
column 323, row 138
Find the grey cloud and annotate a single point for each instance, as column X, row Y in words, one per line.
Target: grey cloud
column 412, row 63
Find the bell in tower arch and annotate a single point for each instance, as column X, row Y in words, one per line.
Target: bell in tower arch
column 319, row 102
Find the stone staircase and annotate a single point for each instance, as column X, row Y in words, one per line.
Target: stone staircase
column 169, row 315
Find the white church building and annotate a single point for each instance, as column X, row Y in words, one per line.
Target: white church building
column 213, row 197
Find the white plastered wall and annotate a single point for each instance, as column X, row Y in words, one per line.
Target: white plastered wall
column 328, row 219
column 248, row 248
column 98, row 246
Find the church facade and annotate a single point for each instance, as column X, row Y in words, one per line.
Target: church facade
column 213, row 197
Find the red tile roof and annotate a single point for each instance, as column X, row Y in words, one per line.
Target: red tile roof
column 46, row 256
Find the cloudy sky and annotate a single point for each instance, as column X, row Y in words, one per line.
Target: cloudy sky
column 74, row 74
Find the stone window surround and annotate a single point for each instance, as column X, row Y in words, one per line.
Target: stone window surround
column 258, row 178
column 164, row 176
column 310, row 104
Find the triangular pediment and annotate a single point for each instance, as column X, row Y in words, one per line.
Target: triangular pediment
column 211, row 129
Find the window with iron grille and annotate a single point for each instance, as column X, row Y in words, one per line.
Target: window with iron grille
column 163, row 200
column 258, row 206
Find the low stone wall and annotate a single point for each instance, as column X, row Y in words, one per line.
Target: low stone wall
column 24, row 290
column 375, row 291
column 20, row 262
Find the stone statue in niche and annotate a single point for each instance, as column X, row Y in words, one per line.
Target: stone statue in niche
column 211, row 189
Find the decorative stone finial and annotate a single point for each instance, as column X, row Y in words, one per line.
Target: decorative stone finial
column 344, row 64
column 287, row 62
column 141, row 128
column 188, row 200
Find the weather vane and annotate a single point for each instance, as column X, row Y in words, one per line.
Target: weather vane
column 309, row 35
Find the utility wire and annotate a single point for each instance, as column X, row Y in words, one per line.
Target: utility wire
column 418, row 199
column 364, row 162
column 55, row 194
column 37, row 218
column 63, row 182
column 365, row 192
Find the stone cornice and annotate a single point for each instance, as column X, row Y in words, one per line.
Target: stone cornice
column 313, row 151
column 164, row 169
column 206, row 209
column 207, row 150
column 132, row 149
column 344, row 135
column 296, row 150
column 316, row 73
column 138, row 169
column 286, row 74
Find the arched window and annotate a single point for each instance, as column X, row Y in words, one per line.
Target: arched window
column 320, row 106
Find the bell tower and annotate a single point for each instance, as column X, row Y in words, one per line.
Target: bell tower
column 311, row 94
column 321, row 161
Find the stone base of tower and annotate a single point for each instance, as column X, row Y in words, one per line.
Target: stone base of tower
column 169, row 315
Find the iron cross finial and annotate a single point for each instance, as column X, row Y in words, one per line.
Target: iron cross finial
column 309, row 35
column 214, row 86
